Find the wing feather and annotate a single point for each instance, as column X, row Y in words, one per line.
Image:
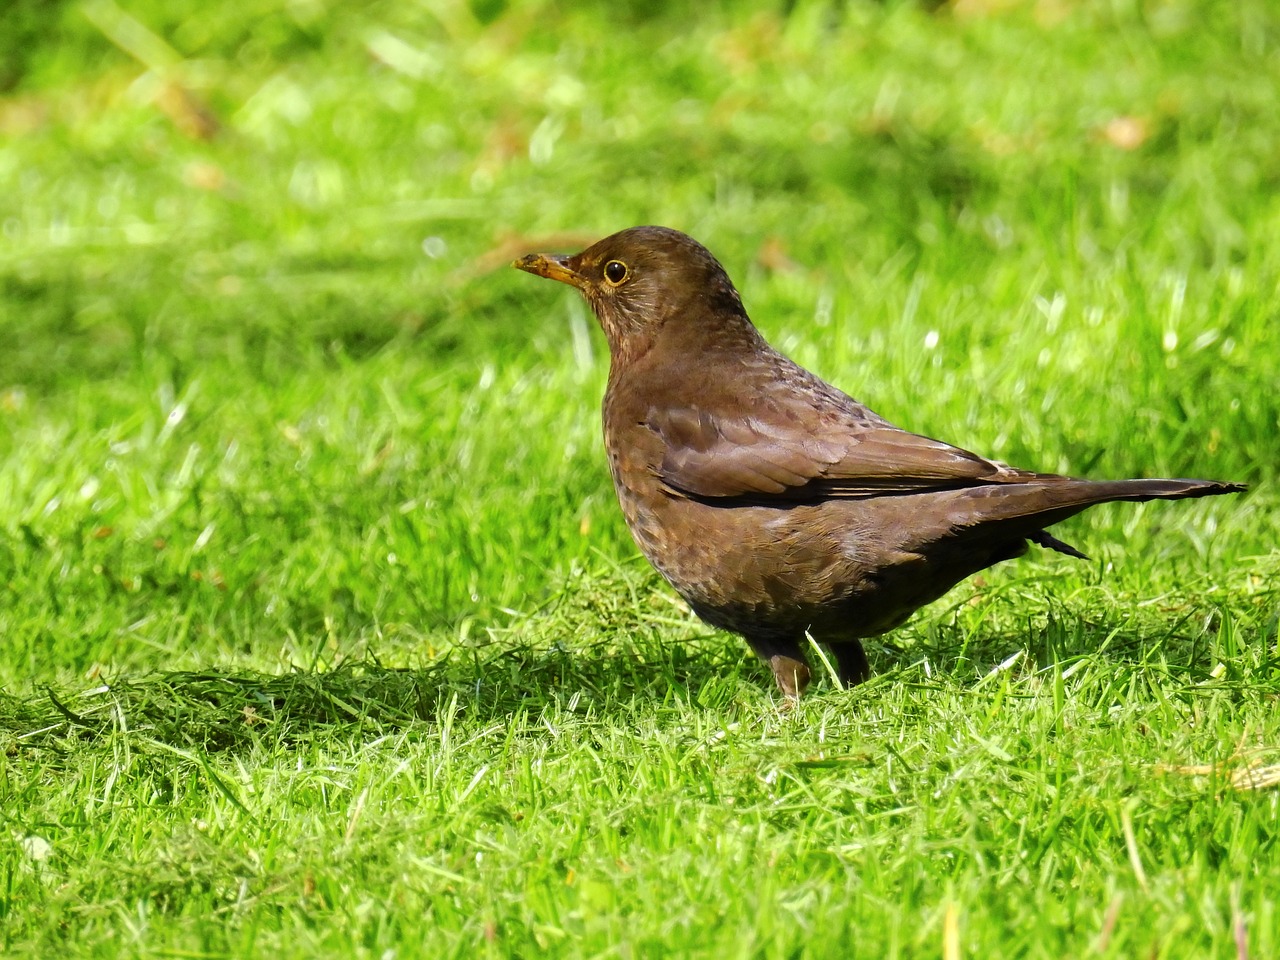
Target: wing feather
column 803, row 452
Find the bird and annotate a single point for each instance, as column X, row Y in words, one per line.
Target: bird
column 777, row 506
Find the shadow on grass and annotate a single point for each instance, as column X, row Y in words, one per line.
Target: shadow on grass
column 213, row 712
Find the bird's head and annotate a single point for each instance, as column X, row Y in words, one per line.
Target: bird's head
column 650, row 280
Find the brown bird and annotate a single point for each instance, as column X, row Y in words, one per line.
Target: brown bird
column 775, row 504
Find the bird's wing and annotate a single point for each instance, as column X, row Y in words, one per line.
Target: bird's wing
column 808, row 454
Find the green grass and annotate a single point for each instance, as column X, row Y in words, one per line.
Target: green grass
column 320, row 632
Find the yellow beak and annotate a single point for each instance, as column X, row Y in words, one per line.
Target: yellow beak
column 553, row 268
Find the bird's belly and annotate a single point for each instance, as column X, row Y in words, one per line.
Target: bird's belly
column 747, row 567
column 836, row 569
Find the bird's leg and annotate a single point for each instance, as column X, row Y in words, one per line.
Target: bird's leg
column 787, row 662
column 851, row 662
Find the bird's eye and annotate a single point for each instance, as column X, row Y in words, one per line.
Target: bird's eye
column 615, row 271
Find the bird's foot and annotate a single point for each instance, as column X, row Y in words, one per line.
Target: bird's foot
column 791, row 674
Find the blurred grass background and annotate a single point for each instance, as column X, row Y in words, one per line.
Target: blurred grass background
column 280, row 432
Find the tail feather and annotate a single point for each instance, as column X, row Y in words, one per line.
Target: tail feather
column 1026, row 509
column 1140, row 490
column 1046, row 539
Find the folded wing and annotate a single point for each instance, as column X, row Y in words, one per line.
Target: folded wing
column 803, row 453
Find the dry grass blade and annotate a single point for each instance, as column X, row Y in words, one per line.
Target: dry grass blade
column 1252, row 775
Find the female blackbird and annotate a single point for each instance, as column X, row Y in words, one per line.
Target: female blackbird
column 772, row 502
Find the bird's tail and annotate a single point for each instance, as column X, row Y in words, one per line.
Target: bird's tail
column 1102, row 491
column 1026, row 509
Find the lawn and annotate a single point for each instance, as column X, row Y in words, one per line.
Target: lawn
column 320, row 631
